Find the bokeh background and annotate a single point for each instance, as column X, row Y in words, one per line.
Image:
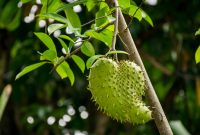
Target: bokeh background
column 44, row 104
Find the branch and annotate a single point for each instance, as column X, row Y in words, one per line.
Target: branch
column 78, row 49
column 123, row 42
column 134, row 15
column 115, row 32
column 104, row 16
column 95, row 20
column 153, row 61
column 151, row 97
column 46, row 19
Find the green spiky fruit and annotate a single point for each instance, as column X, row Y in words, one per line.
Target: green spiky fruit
column 118, row 88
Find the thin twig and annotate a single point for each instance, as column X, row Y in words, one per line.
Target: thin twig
column 95, row 20
column 115, row 33
column 46, row 19
column 78, row 49
column 123, row 42
column 134, row 15
column 126, row 11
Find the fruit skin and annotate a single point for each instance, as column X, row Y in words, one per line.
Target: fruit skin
column 118, row 89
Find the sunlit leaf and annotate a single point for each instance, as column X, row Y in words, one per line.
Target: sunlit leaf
column 46, row 40
column 73, row 19
column 52, row 6
column 55, row 17
column 70, row 74
column 91, row 60
column 87, row 49
column 60, row 70
column 117, row 51
column 55, row 27
column 44, row 2
column 66, row 37
column 95, row 35
column 90, row 5
column 197, row 55
column 28, row 69
column 138, row 13
column 70, row 5
column 124, row 3
column 107, row 35
column 63, row 45
column 103, row 4
column 112, row 9
column 197, row 32
column 79, row 62
column 147, row 18
column 49, row 55
column 101, row 13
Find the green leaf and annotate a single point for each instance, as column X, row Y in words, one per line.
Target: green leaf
column 46, row 40
column 95, row 35
column 90, row 5
column 138, row 14
column 28, row 69
column 66, row 37
column 197, row 55
column 60, row 69
column 14, row 24
column 49, row 55
column 133, row 3
column 72, row 43
column 52, row 6
column 197, row 32
column 8, row 13
column 103, row 4
column 2, row 3
column 63, row 45
column 79, row 62
column 112, row 9
column 44, row 2
column 4, row 98
column 25, row 1
column 70, row 5
column 55, row 17
column 91, row 60
column 55, row 27
column 117, row 51
column 147, row 18
column 101, row 13
column 111, row 19
column 107, row 35
column 69, row 73
column 124, row 3
column 73, row 18
column 178, row 128
column 77, row 34
column 87, row 49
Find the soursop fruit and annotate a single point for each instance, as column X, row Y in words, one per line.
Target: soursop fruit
column 118, row 88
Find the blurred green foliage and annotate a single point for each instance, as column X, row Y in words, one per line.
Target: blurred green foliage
column 167, row 49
